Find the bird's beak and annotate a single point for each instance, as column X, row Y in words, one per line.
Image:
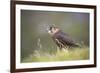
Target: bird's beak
column 48, row 29
column 49, row 32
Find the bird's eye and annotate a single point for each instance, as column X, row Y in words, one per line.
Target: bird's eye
column 50, row 28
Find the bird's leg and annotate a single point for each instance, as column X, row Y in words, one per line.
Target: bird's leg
column 61, row 45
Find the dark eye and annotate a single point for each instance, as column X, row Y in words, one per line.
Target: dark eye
column 50, row 28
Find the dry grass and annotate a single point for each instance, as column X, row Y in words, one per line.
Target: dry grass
column 49, row 54
column 59, row 55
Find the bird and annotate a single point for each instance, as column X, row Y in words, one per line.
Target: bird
column 62, row 39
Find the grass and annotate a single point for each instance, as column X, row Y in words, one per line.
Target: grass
column 59, row 55
column 50, row 54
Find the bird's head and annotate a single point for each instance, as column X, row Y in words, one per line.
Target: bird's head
column 53, row 29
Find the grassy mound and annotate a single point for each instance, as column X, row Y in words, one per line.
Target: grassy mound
column 59, row 55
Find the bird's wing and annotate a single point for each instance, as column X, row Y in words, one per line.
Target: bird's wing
column 64, row 38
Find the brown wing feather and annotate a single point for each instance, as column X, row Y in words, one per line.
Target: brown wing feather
column 64, row 39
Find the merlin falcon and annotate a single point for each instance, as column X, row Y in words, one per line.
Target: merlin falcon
column 61, row 39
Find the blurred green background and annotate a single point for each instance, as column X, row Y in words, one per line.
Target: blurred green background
column 34, row 25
